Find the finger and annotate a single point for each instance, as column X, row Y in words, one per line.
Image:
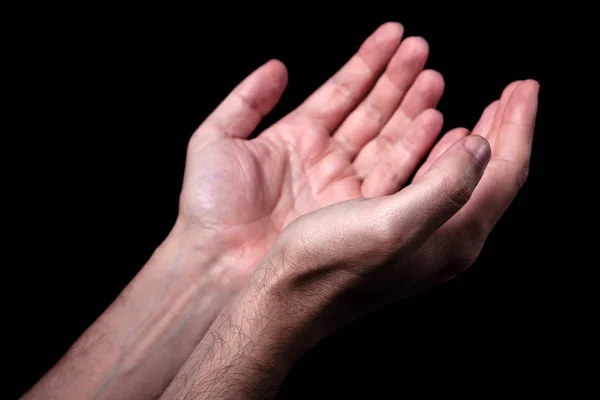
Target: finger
column 427, row 91
column 486, row 122
column 409, row 144
column 243, row 109
column 418, row 210
column 366, row 121
column 332, row 102
column 508, row 168
column 398, row 161
column 440, row 147
column 515, row 133
column 498, row 115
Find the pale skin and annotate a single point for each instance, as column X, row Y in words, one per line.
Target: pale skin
column 337, row 161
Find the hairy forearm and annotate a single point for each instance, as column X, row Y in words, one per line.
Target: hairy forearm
column 253, row 343
column 239, row 358
column 139, row 343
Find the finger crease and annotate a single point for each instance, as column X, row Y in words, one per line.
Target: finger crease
column 373, row 112
column 397, row 86
column 372, row 70
column 251, row 105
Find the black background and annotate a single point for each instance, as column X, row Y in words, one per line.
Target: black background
column 106, row 102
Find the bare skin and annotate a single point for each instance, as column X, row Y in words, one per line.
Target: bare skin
column 336, row 146
column 333, row 265
column 238, row 196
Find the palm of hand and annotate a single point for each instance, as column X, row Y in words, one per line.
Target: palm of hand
column 359, row 135
column 338, row 145
column 262, row 185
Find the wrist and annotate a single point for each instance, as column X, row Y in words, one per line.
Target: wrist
column 191, row 255
column 151, row 328
column 280, row 298
column 177, row 294
column 310, row 296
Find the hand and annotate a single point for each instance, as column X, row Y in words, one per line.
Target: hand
column 334, row 264
column 360, row 135
column 390, row 247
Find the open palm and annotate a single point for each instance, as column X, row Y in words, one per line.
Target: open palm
column 361, row 134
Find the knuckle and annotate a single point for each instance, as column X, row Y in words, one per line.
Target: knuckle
column 341, row 89
column 457, row 189
column 388, row 172
column 373, row 112
column 410, row 148
column 386, row 143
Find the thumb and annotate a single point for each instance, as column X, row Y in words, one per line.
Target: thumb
column 422, row 207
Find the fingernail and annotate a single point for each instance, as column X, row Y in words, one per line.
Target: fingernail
column 479, row 147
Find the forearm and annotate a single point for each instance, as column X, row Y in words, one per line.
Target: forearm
column 241, row 357
column 255, row 340
column 139, row 343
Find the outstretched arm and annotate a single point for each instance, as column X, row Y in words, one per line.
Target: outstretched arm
column 335, row 264
column 320, row 265
column 239, row 194
column 136, row 347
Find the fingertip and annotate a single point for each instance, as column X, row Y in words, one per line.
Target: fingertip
column 391, row 29
column 434, row 79
column 479, row 148
column 277, row 69
column 276, row 63
column 432, row 114
column 521, row 108
column 469, row 154
column 381, row 44
column 433, row 120
column 532, row 82
column 537, row 85
column 387, row 36
column 532, row 85
column 416, row 46
column 253, row 98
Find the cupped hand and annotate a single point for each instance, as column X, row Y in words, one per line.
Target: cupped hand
column 350, row 257
column 360, row 135
column 508, row 125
